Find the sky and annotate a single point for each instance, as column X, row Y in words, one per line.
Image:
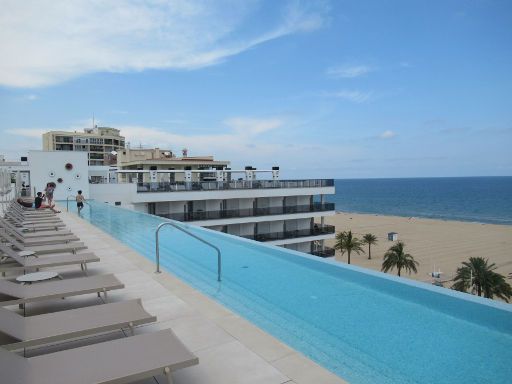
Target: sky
column 337, row 89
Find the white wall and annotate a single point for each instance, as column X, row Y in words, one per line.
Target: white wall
column 110, row 193
column 50, row 166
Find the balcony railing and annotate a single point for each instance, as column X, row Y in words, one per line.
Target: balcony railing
column 249, row 212
column 317, row 231
column 327, row 252
column 228, row 185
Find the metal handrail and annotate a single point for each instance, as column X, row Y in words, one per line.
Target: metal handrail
column 67, row 202
column 219, row 256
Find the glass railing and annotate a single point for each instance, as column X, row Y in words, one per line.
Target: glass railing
column 327, row 252
column 226, row 185
column 271, row 236
column 249, row 212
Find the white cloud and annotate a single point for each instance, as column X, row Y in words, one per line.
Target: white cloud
column 387, row 134
column 351, row 95
column 27, row 132
column 349, row 72
column 47, row 42
column 242, row 133
column 250, row 126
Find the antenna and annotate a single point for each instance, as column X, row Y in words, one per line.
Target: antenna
column 93, row 120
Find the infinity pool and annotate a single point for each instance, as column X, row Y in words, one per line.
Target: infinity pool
column 364, row 326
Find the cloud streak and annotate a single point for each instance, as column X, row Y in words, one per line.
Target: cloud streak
column 352, row 95
column 387, row 135
column 349, row 72
column 44, row 43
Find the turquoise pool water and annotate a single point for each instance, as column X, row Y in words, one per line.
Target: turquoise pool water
column 364, row 326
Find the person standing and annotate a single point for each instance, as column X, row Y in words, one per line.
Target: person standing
column 50, row 188
column 80, row 201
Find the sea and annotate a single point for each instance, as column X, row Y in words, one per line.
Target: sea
column 477, row 199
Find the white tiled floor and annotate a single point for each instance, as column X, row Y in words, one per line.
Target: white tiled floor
column 230, row 349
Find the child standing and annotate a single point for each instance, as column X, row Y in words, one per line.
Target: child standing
column 80, row 201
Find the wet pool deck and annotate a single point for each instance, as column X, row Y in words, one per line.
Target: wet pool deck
column 230, row 349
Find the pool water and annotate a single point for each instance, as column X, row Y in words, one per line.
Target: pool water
column 364, row 326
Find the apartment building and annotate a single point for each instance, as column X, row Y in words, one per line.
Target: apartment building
column 100, row 143
column 249, row 202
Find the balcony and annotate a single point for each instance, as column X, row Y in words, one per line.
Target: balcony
column 63, row 139
column 272, row 236
column 232, row 185
column 249, row 212
column 327, row 252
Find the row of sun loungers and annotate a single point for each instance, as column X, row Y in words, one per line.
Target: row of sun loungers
column 31, row 240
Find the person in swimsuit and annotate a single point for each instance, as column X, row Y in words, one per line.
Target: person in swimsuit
column 80, row 201
column 50, row 188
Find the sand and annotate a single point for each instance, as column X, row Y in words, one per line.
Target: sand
column 445, row 244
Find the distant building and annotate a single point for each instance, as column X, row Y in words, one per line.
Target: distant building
column 100, row 143
column 166, row 165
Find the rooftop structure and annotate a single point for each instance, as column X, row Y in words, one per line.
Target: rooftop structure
column 100, row 143
column 164, row 162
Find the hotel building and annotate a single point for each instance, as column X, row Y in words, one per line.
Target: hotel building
column 98, row 142
column 251, row 203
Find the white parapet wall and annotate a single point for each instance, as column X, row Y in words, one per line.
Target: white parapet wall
column 67, row 169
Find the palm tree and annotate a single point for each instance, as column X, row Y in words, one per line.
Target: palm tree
column 370, row 239
column 345, row 242
column 396, row 258
column 477, row 275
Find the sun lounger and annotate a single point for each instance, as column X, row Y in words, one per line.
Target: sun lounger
column 29, row 211
column 33, row 227
column 12, row 293
column 39, row 214
column 29, row 233
column 38, row 241
column 42, row 249
column 114, row 362
column 23, row 221
column 35, row 219
column 29, row 261
column 33, row 331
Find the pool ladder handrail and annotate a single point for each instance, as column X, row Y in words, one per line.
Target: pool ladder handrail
column 67, row 202
column 219, row 256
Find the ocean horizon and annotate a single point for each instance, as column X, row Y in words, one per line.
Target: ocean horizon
column 483, row 199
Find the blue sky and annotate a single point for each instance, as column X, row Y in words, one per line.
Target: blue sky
column 344, row 89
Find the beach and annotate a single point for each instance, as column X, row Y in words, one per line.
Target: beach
column 439, row 243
